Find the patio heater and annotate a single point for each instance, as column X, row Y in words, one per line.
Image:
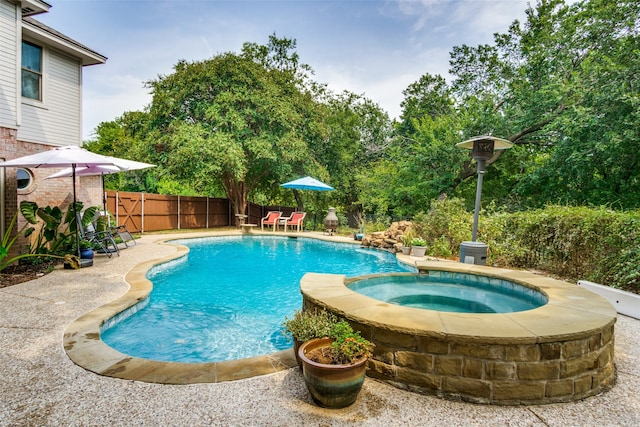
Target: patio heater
column 482, row 149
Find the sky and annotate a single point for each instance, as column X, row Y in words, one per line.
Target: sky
column 376, row 48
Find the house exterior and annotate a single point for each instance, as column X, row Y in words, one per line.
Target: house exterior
column 40, row 105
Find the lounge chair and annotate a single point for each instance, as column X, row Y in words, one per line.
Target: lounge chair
column 103, row 240
column 119, row 231
column 124, row 235
column 271, row 219
column 295, row 220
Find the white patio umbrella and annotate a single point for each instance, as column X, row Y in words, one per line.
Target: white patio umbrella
column 69, row 156
column 119, row 165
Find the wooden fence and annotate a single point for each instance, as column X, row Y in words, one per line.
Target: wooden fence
column 141, row 212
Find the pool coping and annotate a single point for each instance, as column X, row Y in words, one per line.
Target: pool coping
column 85, row 348
column 571, row 311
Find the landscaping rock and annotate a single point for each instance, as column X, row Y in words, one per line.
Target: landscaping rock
column 389, row 239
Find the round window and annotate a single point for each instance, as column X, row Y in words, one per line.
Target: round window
column 24, row 179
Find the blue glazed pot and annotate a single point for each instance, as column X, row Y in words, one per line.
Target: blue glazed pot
column 86, row 253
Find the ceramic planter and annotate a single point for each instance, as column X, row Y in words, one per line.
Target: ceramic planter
column 406, row 250
column 296, row 349
column 86, row 253
column 331, row 386
column 419, row 251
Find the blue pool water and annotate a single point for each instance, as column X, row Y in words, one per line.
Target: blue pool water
column 227, row 299
column 451, row 292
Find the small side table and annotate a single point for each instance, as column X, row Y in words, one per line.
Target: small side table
column 241, row 219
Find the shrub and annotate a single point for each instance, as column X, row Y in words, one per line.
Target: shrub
column 309, row 324
column 447, row 223
column 7, row 242
column 441, row 248
column 594, row 244
column 418, row 241
column 35, row 258
column 348, row 346
column 407, row 238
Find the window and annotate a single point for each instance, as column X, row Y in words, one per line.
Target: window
column 31, row 71
column 24, row 179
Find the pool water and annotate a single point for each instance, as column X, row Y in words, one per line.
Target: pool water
column 227, row 299
column 451, row 292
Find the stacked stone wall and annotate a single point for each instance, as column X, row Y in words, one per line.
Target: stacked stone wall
column 504, row 372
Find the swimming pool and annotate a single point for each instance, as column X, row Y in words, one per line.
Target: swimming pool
column 227, row 298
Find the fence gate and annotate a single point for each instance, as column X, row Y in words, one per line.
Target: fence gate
column 127, row 208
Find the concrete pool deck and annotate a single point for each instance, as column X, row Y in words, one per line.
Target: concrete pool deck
column 40, row 385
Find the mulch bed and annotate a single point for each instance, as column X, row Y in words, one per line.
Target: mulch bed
column 15, row 274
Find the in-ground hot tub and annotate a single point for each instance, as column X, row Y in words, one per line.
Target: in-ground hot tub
column 450, row 292
column 558, row 352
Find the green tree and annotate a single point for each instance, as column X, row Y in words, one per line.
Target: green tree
column 126, row 137
column 429, row 96
column 236, row 121
column 417, row 169
column 595, row 157
column 358, row 132
column 563, row 85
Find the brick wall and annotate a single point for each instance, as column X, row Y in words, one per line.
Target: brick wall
column 45, row 192
column 8, row 148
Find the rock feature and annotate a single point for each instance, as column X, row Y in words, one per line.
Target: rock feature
column 391, row 239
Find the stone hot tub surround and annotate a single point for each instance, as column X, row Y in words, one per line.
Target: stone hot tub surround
column 562, row 351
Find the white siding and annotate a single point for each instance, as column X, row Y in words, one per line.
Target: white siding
column 8, row 66
column 57, row 121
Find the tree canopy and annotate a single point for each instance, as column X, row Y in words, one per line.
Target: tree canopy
column 233, row 121
column 562, row 85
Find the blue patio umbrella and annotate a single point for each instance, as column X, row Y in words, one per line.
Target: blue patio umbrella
column 307, row 183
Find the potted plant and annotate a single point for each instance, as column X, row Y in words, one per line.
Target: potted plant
column 306, row 325
column 360, row 221
column 334, row 367
column 86, row 249
column 419, row 246
column 407, row 239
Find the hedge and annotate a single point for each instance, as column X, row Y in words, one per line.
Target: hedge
column 596, row 244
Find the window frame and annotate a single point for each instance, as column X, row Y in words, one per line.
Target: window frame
column 30, row 182
column 38, row 73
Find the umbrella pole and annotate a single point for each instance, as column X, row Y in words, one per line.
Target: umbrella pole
column 104, row 195
column 75, row 213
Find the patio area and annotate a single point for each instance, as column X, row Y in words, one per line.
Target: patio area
column 40, row 385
